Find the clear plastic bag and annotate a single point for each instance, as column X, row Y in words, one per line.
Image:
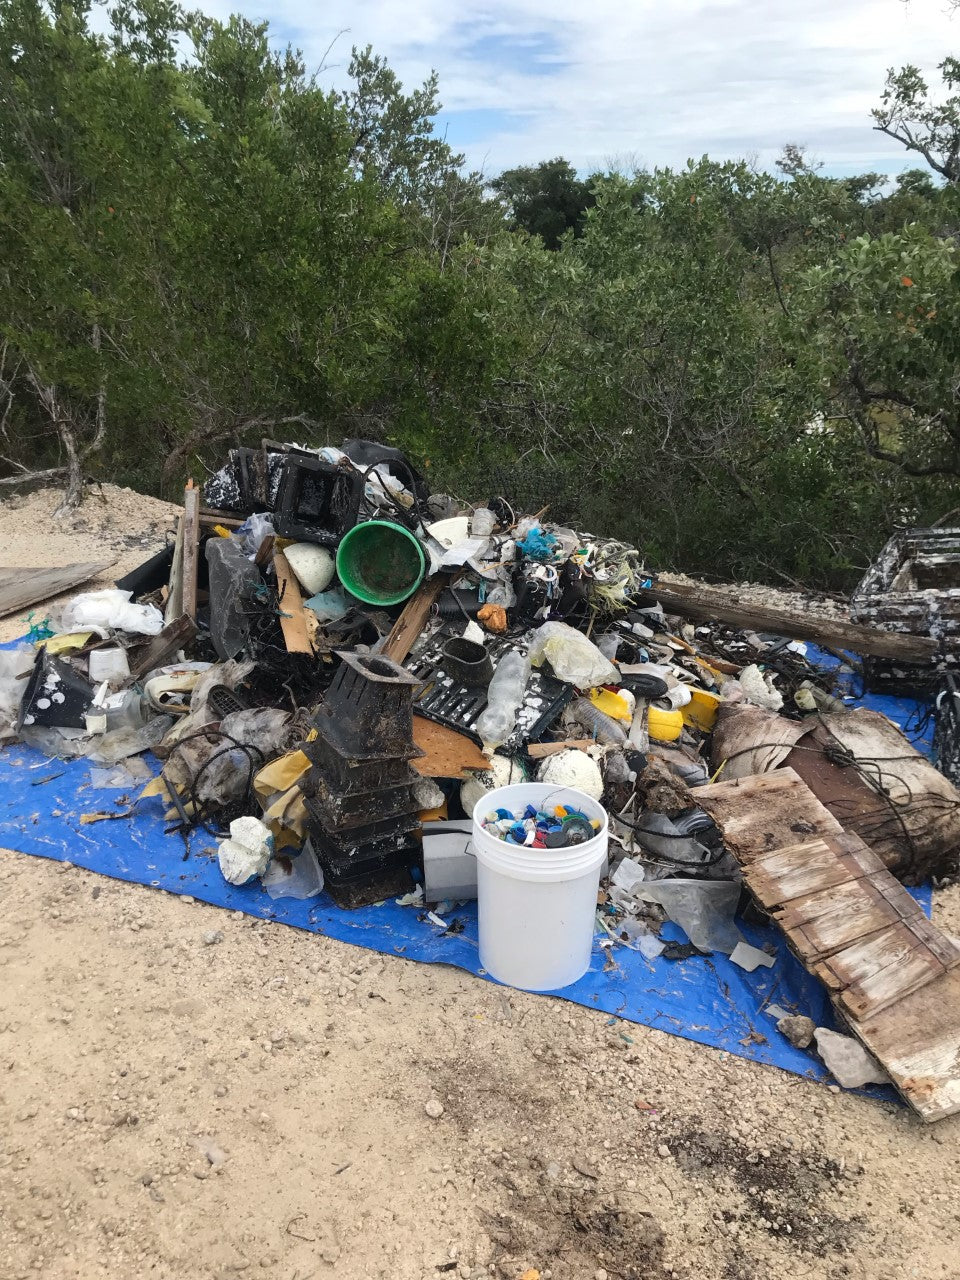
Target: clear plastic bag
column 572, row 656
column 113, row 609
column 232, row 767
column 704, row 909
column 294, row 875
column 233, row 581
column 253, row 531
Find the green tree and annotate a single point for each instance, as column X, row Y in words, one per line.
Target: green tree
column 908, row 113
column 545, row 200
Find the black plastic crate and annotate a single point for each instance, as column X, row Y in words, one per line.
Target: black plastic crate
column 343, row 842
column 446, row 701
column 338, row 812
column 349, row 776
column 249, row 481
column 317, row 501
column 367, row 713
column 900, row 679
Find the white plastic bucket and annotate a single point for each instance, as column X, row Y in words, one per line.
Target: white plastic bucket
column 537, row 907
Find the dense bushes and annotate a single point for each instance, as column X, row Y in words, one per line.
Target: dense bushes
column 743, row 375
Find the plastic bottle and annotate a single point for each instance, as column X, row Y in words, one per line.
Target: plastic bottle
column 608, row 644
column 504, row 698
column 597, row 723
column 481, row 523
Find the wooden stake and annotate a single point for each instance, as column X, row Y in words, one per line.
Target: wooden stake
column 191, row 548
column 414, row 617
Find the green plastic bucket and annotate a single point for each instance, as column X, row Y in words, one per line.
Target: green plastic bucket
column 380, row 562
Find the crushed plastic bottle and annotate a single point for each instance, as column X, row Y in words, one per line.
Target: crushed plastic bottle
column 597, row 723
column 504, row 698
column 481, row 523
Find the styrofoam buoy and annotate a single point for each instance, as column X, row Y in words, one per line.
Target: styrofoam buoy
column 501, row 773
column 573, row 768
column 313, row 566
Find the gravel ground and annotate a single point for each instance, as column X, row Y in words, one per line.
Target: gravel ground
column 188, row 1093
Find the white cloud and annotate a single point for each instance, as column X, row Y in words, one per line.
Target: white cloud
column 659, row 79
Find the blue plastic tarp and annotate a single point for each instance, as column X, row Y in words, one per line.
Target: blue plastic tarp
column 709, row 1000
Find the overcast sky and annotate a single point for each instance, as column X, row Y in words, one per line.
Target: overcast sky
column 655, row 81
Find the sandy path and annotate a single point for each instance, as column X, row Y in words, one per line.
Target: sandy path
column 112, row 523
column 190, row 1094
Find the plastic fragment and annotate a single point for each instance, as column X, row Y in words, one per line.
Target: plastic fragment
column 750, row 958
column 294, row 877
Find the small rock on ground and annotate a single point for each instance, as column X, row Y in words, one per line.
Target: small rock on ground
column 798, row 1030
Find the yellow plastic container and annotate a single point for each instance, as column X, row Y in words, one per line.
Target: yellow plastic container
column 701, row 711
column 611, row 704
column 664, row 726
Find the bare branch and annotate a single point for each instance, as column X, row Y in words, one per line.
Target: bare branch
column 26, row 477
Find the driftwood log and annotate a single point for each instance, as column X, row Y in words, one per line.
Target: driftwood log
column 704, row 603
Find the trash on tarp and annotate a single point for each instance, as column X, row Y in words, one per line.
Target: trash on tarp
column 339, row 673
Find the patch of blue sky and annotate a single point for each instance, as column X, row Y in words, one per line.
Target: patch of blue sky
column 533, row 53
column 476, row 124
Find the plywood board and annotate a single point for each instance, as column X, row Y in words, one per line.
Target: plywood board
column 21, row 587
column 876, row 972
column 889, row 970
column 292, row 621
column 448, row 754
column 827, row 922
column 760, row 814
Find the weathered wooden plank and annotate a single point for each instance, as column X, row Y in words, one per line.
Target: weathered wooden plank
column 191, row 549
column 918, row 1042
column 760, row 814
column 161, row 648
column 413, row 618
column 793, row 872
column 292, row 621
column 876, row 972
column 265, row 551
column 828, row 922
column 942, row 947
column 21, row 587
column 891, row 972
column 173, row 606
column 706, row 603
column 229, row 519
